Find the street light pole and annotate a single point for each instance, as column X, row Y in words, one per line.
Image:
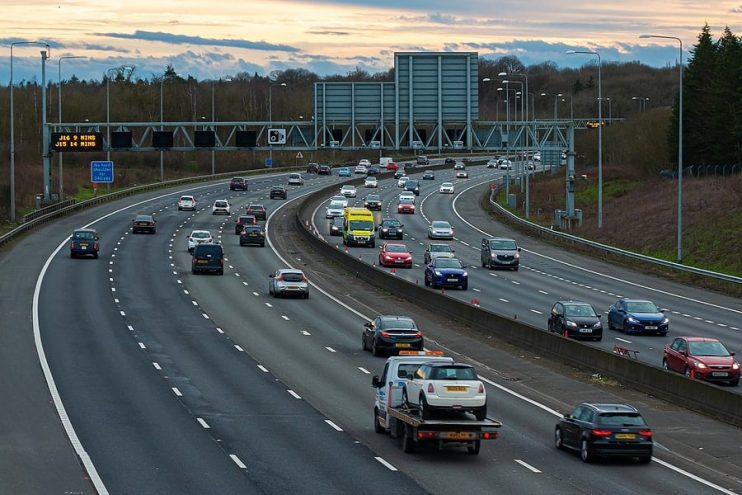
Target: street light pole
column 119, row 69
column 213, row 119
column 59, row 108
column 12, row 134
column 680, row 145
column 600, row 135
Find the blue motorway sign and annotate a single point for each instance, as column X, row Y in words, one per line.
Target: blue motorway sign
column 268, row 163
column 101, row 172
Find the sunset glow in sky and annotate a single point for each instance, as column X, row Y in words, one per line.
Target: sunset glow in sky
column 218, row 38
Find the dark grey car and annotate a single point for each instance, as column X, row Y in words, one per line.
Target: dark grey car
column 500, row 252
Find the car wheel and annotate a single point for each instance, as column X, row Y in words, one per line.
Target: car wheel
column 473, row 449
column 306, row 295
column 689, row 372
column 72, row 255
column 405, row 399
column 377, row 427
column 664, row 365
column 221, row 271
column 585, row 453
column 95, row 255
column 515, row 269
column 481, row 413
column 558, row 439
column 465, row 286
column 610, row 324
column 427, row 282
column 424, row 408
column 373, row 244
column 645, row 459
column 193, row 270
column 734, row 383
column 374, row 350
column 598, row 339
column 363, row 342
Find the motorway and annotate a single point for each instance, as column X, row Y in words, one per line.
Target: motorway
column 546, row 274
column 176, row 383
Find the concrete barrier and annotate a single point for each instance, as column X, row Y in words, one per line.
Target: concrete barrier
column 702, row 397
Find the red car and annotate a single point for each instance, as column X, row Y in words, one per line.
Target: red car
column 406, row 208
column 392, row 166
column 703, row 358
column 395, row 254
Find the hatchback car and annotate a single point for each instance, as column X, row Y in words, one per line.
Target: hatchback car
column 336, row 225
column 398, row 173
column 256, row 210
column 449, row 161
column 402, row 180
column 287, row 281
column 605, row 430
column 637, row 316
column 313, row 168
column 459, row 166
column 422, row 160
column 364, row 162
column 324, row 170
column 208, row 258
column 395, row 254
column 334, row 209
column 438, row 250
column 392, row 166
column 703, row 358
column 446, row 188
column 428, row 175
column 344, row 172
column 492, row 163
column 575, row 319
column 199, row 237
column 499, row 252
column 296, row 180
column 242, row 221
column 349, row 191
column 371, row 182
column 279, row 192
column 440, row 229
column 407, row 196
column 406, row 205
column 84, row 242
column 143, row 223
column 360, row 169
column 374, row 170
column 391, row 334
column 372, row 202
column 446, row 387
column 413, row 186
column 462, row 174
column 341, row 199
column 221, row 206
column 238, row 183
column 187, row 203
column 391, row 228
column 446, row 272
column 252, row 235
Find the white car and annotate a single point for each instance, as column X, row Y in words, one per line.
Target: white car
column 334, row 209
column 341, row 199
column 361, row 169
column 348, row 191
column 506, row 164
column 446, row 188
column 407, row 197
column 492, row 163
column 537, row 156
column 187, row 203
column 440, row 229
column 221, row 206
column 462, row 174
column 446, row 387
column 364, row 162
column 199, row 237
column 371, row 182
column 296, row 180
column 401, row 181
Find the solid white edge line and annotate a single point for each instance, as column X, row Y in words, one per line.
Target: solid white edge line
column 239, row 348
column 157, row 366
column 693, row 476
column 237, row 461
column 527, row 466
column 364, row 370
column 385, row 463
column 294, row 394
column 203, row 423
column 262, row 368
column 177, row 392
column 336, row 427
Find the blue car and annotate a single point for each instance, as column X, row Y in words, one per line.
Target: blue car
column 344, row 172
column 446, row 272
column 637, row 316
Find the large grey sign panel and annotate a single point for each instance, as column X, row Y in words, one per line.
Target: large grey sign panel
column 354, row 101
column 440, row 85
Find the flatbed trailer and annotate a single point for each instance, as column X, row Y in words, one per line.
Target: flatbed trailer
column 406, row 423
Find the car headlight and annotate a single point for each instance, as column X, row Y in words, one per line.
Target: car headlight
column 571, row 324
column 466, row 274
column 631, row 319
column 665, row 321
column 700, row 366
column 438, row 274
column 735, row 366
column 597, row 324
column 517, row 255
column 493, row 255
column 385, row 230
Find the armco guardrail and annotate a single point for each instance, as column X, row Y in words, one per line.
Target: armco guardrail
column 604, row 247
column 692, row 394
column 35, row 222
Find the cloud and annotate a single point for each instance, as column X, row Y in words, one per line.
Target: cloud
column 181, row 39
column 331, row 33
column 736, row 10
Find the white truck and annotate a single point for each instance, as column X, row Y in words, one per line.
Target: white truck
column 392, row 415
column 385, row 160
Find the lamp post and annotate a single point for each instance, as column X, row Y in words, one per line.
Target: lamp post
column 270, row 114
column 162, row 94
column 680, row 144
column 600, row 135
column 59, row 108
column 120, row 70
column 556, row 96
column 213, row 118
column 12, row 135
column 642, row 100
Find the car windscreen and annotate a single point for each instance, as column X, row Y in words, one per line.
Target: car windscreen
column 338, row 221
column 207, row 250
column 83, row 236
column 361, row 225
column 390, row 223
column 293, row 277
column 253, row 229
column 446, row 184
column 348, row 188
column 453, row 373
column 578, row 310
column 143, row 218
column 373, row 197
column 186, row 198
column 441, row 225
column 621, row 419
column 396, row 248
column 707, row 349
column 398, row 323
column 440, row 248
column 503, row 245
column 201, row 235
column 220, row 204
column 641, row 307
column 447, row 263
column 336, row 205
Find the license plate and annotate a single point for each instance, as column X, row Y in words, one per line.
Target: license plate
column 202, row 262
column 458, row 435
column 453, row 280
column 143, row 224
column 586, row 330
column 625, row 436
column 456, row 388
column 253, row 235
column 719, row 373
column 399, row 261
column 84, row 246
column 400, row 344
column 651, row 327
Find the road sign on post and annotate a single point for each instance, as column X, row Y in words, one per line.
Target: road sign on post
column 268, row 163
column 101, row 171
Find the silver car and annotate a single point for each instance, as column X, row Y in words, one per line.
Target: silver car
column 440, row 229
column 288, row 281
column 296, row 180
column 335, row 209
column 438, row 250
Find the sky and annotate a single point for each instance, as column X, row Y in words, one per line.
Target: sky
column 211, row 39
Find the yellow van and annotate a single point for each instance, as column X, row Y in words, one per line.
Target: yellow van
column 358, row 227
